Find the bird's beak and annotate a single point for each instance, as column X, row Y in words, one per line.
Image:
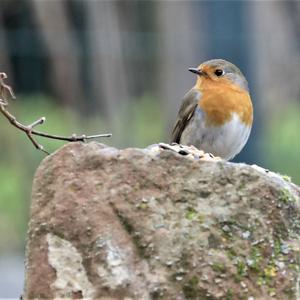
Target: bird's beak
column 197, row 71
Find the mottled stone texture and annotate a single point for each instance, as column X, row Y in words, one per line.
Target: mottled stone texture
column 152, row 224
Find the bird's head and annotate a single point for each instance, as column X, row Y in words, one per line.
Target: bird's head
column 217, row 72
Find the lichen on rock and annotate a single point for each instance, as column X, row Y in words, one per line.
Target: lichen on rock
column 71, row 277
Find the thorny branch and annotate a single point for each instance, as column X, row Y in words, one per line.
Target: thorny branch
column 6, row 92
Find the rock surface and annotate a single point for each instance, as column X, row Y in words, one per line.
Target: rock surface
column 153, row 224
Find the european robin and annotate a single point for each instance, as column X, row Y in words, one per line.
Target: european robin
column 216, row 114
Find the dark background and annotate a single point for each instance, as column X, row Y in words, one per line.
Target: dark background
column 121, row 67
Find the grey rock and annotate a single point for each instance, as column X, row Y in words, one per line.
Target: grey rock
column 153, row 224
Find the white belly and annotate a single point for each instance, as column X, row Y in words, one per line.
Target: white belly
column 225, row 141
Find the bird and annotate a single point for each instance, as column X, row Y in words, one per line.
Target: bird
column 216, row 115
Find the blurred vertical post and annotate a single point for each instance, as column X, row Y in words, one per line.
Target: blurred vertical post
column 106, row 65
column 52, row 19
column 4, row 60
column 179, row 49
column 277, row 47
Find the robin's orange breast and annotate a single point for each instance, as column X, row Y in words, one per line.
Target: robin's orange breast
column 220, row 101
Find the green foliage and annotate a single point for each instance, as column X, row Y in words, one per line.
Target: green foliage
column 139, row 125
column 142, row 124
column 19, row 159
column 282, row 142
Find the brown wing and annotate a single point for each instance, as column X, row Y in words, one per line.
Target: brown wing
column 186, row 111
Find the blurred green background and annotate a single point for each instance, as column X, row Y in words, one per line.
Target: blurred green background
column 121, row 67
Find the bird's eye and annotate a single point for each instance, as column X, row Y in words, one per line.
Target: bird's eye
column 219, row 72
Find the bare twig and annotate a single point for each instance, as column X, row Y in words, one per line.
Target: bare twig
column 7, row 92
